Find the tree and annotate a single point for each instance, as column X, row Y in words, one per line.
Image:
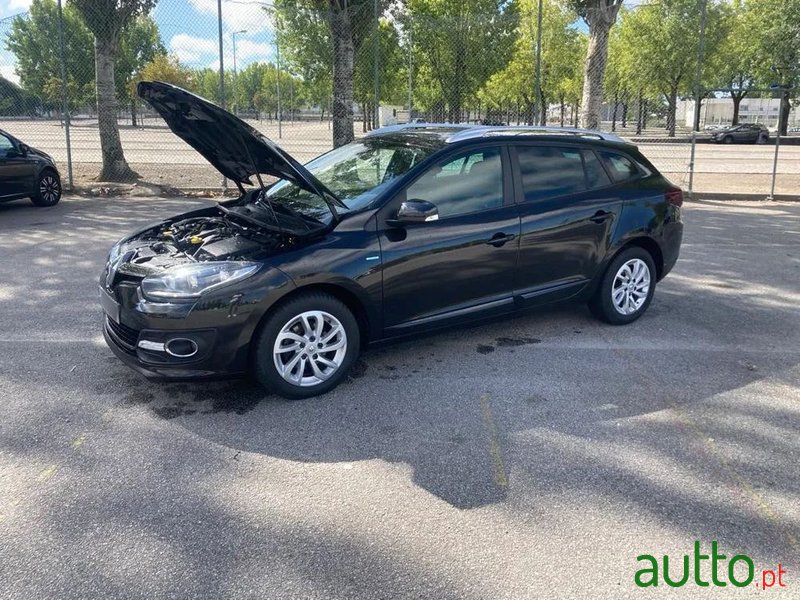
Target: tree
column 462, row 44
column 107, row 19
column 140, row 44
column 734, row 64
column 600, row 16
column 778, row 48
column 560, row 63
column 662, row 40
column 326, row 35
column 33, row 41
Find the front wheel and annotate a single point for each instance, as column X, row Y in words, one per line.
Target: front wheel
column 627, row 288
column 306, row 346
column 728, row 140
column 48, row 189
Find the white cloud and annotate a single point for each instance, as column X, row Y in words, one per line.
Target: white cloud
column 237, row 15
column 189, row 49
column 19, row 5
column 7, row 72
column 246, row 49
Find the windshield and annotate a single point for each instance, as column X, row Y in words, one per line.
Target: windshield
column 356, row 174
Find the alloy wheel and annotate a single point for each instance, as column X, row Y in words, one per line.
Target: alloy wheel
column 310, row 348
column 631, row 286
column 49, row 189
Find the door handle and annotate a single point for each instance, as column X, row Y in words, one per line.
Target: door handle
column 600, row 216
column 498, row 239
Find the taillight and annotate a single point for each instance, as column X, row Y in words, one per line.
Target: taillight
column 674, row 195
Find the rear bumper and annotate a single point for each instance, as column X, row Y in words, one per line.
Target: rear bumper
column 671, row 245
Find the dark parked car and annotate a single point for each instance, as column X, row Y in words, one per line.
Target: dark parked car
column 412, row 228
column 26, row 172
column 742, row 134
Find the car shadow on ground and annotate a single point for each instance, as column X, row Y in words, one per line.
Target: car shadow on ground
column 551, row 401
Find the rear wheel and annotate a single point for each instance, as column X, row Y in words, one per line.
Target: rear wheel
column 48, row 189
column 306, row 346
column 627, row 288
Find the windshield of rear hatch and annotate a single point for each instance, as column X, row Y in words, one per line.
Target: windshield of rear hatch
column 356, row 174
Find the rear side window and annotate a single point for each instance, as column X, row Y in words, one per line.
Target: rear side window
column 548, row 171
column 621, row 167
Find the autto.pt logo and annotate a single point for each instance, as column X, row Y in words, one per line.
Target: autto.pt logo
column 693, row 569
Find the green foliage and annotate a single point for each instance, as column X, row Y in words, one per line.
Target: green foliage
column 34, row 42
column 140, row 44
column 659, row 43
column 107, row 19
column 460, row 45
column 14, row 101
column 563, row 46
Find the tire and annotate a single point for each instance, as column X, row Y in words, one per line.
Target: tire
column 727, row 139
column 48, row 189
column 282, row 329
column 603, row 305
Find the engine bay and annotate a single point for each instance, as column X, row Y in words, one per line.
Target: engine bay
column 224, row 233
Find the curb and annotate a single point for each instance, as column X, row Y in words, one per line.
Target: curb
column 733, row 196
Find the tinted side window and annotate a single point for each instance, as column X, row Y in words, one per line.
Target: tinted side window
column 468, row 183
column 549, row 171
column 5, row 145
column 621, row 167
column 596, row 175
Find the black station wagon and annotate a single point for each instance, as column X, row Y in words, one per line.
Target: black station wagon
column 412, row 228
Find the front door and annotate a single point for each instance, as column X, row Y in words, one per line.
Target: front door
column 461, row 264
column 16, row 170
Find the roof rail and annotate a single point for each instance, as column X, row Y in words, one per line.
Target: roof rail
column 477, row 131
column 412, row 126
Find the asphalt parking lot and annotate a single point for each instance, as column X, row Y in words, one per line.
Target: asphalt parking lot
column 531, row 458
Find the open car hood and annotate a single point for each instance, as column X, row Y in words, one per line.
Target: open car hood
column 232, row 146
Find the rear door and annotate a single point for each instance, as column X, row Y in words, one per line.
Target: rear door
column 568, row 204
column 464, row 262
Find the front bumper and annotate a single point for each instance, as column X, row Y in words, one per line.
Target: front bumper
column 210, row 336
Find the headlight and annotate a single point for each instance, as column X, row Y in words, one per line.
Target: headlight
column 190, row 281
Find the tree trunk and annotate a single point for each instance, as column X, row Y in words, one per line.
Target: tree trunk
column 698, row 108
column 115, row 167
column 737, row 101
column 133, row 112
column 786, row 105
column 576, row 115
column 614, row 114
column 563, row 109
column 363, row 117
column 342, row 35
column 672, row 105
column 640, row 117
column 625, row 114
column 600, row 21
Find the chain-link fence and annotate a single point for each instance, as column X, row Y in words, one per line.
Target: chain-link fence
column 311, row 75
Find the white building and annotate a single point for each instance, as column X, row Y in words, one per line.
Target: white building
column 719, row 111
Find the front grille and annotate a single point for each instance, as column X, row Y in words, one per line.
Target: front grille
column 125, row 336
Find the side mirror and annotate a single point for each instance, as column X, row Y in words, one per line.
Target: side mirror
column 416, row 211
column 24, row 149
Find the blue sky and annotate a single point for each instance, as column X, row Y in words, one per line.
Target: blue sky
column 189, row 30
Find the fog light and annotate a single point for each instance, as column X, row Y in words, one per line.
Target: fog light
column 151, row 346
column 181, row 347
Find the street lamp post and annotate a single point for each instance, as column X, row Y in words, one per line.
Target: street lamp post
column 235, row 72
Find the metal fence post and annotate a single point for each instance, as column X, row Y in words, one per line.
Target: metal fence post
column 697, row 83
column 777, row 146
column 376, row 121
column 538, row 68
column 221, row 73
column 64, row 94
